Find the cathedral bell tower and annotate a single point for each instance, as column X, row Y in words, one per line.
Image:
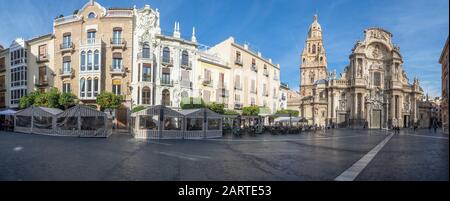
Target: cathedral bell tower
column 313, row 60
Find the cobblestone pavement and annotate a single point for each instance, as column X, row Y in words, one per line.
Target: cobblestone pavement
column 420, row 155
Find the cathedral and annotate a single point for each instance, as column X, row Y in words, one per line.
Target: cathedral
column 373, row 91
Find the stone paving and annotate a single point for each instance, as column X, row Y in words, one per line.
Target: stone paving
column 420, row 155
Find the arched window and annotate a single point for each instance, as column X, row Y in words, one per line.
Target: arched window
column 146, row 95
column 89, row 87
column 304, row 60
column 89, row 61
column 91, row 15
column 96, row 60
column 96, row 87
column 185, row 58
column 314, row 49
column 166, row 55
column 321, row 59
column 82, row 87
column 165, row 98
column 146, row 51
column 83, row 61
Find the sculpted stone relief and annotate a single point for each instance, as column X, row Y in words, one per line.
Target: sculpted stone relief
column 378, row 35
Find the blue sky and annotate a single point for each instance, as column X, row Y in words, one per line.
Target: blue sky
column 277, row 28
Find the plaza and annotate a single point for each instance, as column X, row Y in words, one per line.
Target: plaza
column 320, row 156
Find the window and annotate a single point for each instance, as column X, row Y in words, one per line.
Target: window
column 166, row 98
column 146, row 51
column 91, row 15
column 91, row 37
column 165, row 78
column 146, row 73
column 89, row 61
column 314, row 49
column 214, row 124
column 117, row 36
column 42, row 52
column 173, row 123
column 96, row 87
column 89, row 87
column 83, row 61
column 82, row 87
column 206, row 96
column 377, row 79
column 42, row 74
column 96, row 60
column 16, row 95
column 253, row 87
column 194, row 124
column 117, row 63
column 146, row 96
column 67, row 67
column 66, row 88
column 18, row 76
column 237, row 82
column 185, row 58
column 149, row 122
column 67, row 41
column 166, row 55
column 238, row 57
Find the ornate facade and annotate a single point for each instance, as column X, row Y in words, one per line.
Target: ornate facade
column 372, row 92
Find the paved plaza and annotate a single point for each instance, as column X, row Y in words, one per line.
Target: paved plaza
column 342, row 154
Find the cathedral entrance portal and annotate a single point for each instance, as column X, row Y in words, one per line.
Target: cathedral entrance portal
column 406, row 121
column 376, row 119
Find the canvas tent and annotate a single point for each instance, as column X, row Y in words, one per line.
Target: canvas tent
column 37, row 120
column 157, row 122
column 296, row 121
column 160, row 122
column 83, row 121
column 202, row 123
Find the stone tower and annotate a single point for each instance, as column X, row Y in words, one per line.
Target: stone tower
column 313, row 60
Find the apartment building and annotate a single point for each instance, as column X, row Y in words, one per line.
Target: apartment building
column 4, row 60
column 256, row 79
column 163, row 65
column 41, row 71
column 443, row 60
column 215, row 82
column 93, row 53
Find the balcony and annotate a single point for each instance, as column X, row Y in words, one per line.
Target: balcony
column 66, row 47
column 167, row 83
column 67, row 19
column 167, row 62
column 266, row 93
column 238, row 106
column 186, row 66
column 266, row 73
column 42, row 59
column 186, row 84
column 118, row 43
column 283, row 97
column 239, row 62
column 66, row 73
column 117, row 70
column 2, row 69
column 253, row 91
column 207, row 82
column 2, row 87
column 41, row 82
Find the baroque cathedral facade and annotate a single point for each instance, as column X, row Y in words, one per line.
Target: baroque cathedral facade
column 373, row 91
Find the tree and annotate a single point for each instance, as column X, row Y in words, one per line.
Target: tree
column 67, row 99
column 28, row 100
column 108, row 100
column 52, row 97
column 137, row 108
column 217, row 108
column 192, row 104
column 250, row 111
column 41, row 100
column 294, row 113
column 231, row 112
